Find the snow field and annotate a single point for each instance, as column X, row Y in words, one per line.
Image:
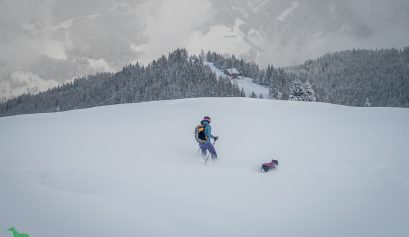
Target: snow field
column 134, row 170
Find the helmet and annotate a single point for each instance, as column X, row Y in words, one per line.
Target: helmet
column 207, row 118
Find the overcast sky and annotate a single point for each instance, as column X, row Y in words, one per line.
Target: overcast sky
column 60, row 29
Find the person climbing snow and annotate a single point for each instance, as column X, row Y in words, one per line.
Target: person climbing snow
column 203, row 135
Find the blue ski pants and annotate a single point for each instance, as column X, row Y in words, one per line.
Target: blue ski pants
column 208, row 146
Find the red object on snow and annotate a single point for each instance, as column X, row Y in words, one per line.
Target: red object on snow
column 269, row 166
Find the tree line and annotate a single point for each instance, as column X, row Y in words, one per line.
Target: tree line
column 351, row 77
column 174, row 77
column 359, row 77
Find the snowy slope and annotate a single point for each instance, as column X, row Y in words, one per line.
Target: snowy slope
column 133, row 170
column 245, row 83
column 219, row 73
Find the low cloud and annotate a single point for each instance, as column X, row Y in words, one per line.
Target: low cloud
column 61, row 39
column 171, row 24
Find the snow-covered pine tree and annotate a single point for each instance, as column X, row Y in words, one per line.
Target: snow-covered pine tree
column 283, row 79
column 242, row 93
column 253, row 95
column 296, row 91
column 275, row 93
column 300, row 91
column 309, row 92
column 367, row 102
column 260, row 77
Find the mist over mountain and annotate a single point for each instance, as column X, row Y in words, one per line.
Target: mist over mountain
column 47, row 42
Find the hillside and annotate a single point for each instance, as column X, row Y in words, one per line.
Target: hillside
column 176, row 76
column 133, row 170
column 351, row 77
column 358, row 77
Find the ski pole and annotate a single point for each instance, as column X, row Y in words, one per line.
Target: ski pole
column 208, row 155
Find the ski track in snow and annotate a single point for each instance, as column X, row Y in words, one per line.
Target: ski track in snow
column 134, row 170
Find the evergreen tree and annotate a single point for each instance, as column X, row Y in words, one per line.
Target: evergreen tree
column 367, row 103
column 309, row 92
column 301, row 91
column 275, row 93
column 253, row 95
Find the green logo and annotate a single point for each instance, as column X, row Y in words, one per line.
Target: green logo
column 17, row 234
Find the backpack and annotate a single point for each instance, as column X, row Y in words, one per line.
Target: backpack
column 200, row 133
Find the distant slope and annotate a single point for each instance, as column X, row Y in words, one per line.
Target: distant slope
column 349, row 77
column 247, row 84
column 355, row 77
column 133, row 170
